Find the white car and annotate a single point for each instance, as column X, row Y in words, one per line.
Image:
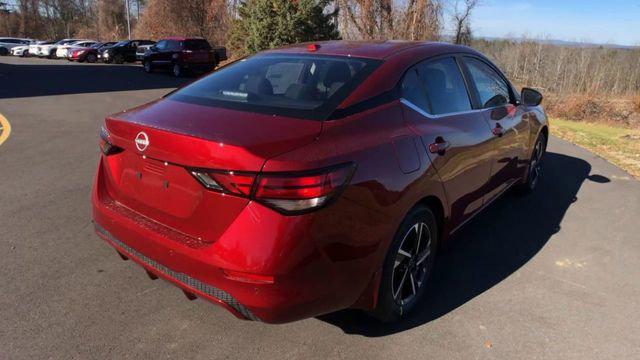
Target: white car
column 62, row 52
column 49, row 50
column 6, row 44
column 34, row 48
column 22, row 50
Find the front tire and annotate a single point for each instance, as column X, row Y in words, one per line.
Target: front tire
column 92, row 58
column 148, row 67
column 534, row 170
column 408, row 265
column 177, row 70
column 118, row 59
column 4, row 51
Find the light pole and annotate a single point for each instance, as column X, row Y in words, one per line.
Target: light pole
column 126, row 4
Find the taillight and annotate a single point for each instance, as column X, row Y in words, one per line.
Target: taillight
column 106, row 145
column 226, row 181
column 288, row 193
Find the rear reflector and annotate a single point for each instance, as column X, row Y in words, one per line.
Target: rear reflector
column 289, row 193
column 248, row 278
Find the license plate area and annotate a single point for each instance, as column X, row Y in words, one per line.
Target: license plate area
column 157, row 188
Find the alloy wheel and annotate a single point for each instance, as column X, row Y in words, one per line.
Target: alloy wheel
column 410, row 267
column 177, row 71
column 535, row 168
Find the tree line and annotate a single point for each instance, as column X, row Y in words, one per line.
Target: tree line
column 248, row 26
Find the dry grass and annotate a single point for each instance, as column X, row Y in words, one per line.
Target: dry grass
column 622, row 111
column 619, row 145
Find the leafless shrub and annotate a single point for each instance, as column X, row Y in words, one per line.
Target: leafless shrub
column 389, row 19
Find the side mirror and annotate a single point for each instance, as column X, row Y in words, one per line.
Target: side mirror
column 531, row 97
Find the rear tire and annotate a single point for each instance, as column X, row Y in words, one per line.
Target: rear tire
column 92, row 58
column 118, row 59
column 4, row 51
column 534, row 170
column 408, row 265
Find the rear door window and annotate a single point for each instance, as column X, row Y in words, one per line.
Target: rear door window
column 492, row 89
column 445, row 87
column 413, row 90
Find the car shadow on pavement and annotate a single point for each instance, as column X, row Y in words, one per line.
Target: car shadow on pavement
column 490, row 248
column 18, row 81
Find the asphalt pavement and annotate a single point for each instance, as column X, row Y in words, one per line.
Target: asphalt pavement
column 553, row 275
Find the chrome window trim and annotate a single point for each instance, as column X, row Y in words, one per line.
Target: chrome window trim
column 431, row 116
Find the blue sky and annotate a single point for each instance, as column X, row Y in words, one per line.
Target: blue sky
column 598, row 21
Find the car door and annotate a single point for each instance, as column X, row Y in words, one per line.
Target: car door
column 130, row 51
column 156, row 53
column 456, row 137
column 511, row 132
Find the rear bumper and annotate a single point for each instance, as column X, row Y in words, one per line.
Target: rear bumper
column 312, row 274
column 182, row 280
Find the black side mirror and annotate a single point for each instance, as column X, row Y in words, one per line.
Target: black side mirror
column 531, row 97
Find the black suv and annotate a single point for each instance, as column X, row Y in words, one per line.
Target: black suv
column 182, row 54
column 124, row 51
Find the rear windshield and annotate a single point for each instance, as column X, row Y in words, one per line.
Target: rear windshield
column 196, row 44
column 302, row 86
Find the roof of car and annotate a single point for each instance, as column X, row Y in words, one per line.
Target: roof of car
column 182, row 38
column 368, row 49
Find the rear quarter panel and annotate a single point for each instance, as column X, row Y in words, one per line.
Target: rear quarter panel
column 355, row 232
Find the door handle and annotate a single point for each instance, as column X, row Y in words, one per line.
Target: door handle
column 498, row 130
column 439, row 146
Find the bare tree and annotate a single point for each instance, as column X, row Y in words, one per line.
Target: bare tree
column 390, row 19
column 462, row 20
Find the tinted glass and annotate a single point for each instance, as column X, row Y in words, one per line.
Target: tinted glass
column 161, row 45
column 492, row 89
column 196, row 44
column 446, row 90
column 413, row 90
column 301, row 86
column 173, row 45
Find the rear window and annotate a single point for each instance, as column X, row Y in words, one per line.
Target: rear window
column 302, row 86
column 196, row 44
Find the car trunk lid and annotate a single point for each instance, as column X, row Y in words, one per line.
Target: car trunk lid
column 163, row 140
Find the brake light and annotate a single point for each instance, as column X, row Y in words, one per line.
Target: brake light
column 288, row 193
column 106, row 144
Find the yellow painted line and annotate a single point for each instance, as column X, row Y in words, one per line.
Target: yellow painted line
column 5, row 129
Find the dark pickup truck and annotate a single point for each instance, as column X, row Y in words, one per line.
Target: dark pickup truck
column 123, row 51
column 180, row 54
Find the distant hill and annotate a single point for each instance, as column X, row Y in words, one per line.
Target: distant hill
column 563, row 42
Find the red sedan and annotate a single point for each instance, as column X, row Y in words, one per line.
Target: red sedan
column 317, row 177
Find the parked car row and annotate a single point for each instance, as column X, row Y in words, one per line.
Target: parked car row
column 178, row 54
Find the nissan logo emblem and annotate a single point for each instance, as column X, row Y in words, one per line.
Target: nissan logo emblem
column 142, row 141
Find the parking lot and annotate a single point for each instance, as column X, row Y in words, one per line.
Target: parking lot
column 551, row 275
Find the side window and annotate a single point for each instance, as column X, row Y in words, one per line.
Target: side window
column 161, row 45
column 492, row 89
column 412, row 90
column 173, row 45
column 446, row 90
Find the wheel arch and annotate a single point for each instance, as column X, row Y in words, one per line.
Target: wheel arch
column 369, row 298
